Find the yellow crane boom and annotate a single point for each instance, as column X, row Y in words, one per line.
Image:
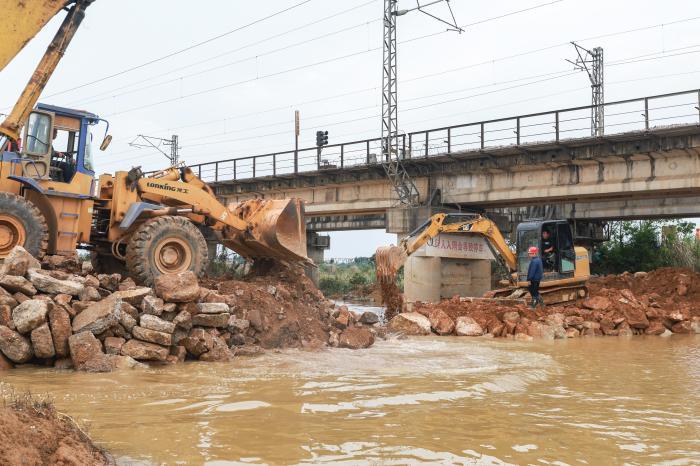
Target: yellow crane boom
column 25, row 18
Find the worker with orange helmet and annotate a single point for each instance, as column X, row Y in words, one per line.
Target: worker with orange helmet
column 535, row 271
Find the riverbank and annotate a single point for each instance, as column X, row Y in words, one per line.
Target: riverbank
column 33, row 432
column 663, row 301
column 65, row 316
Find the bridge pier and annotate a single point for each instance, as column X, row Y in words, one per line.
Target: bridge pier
column 431, row 276
column 315, row 246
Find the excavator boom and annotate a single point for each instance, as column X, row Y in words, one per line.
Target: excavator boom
column 389, row 259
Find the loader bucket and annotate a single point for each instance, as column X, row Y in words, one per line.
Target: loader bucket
column 389, row 260
column 277, row 230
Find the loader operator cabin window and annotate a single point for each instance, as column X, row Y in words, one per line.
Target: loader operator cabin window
column 38, row 138
column 64, row 154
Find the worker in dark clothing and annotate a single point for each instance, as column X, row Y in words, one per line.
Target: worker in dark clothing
column 548, row 250
column 534, row 276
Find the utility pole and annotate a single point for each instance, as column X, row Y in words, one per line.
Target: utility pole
column 391, row 154
column 156, row 143
column 591, row 61
column 297, row 128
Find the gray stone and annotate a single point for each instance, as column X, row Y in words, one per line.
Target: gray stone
column 152, row 305
column 42, row 341
column 133, row 297
column 152, row 322
column 468, row 327
column 15, row 284
column 99, row 316
column 152, row 336
column 29, row 315
column 369, row 318
column 52, row 285
column 16, row 347
column 212, row 308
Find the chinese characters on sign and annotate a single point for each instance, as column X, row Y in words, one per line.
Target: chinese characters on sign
column 458, row 246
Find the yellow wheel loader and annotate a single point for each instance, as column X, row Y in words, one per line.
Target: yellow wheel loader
column 567, row 268
column 146, row 225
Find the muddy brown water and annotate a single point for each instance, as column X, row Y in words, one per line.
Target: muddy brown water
column 417, row 401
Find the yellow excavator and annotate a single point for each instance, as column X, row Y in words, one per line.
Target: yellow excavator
column 564, row 279
column 147, row 225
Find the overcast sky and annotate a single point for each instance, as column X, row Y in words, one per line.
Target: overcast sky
column 235, row 95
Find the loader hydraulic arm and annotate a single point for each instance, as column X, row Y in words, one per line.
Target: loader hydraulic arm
column 23, row 20
column 390, row 259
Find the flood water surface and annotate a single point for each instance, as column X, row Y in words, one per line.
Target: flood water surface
column 416, row 401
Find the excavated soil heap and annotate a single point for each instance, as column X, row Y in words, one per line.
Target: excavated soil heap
column 281, row 303
column 664, row 300
column 34, row 433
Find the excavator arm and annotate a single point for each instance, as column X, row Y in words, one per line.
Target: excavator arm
column 23, row 19
column 389, row 259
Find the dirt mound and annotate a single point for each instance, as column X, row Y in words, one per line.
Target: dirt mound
column 34, row 433
column 664, row 300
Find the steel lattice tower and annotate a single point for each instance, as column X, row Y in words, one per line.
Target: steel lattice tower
column 591, row 61
column 403, row 185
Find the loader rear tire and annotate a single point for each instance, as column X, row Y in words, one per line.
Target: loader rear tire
column 22, row 224
column 165, row 245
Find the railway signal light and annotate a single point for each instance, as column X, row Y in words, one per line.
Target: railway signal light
column 321, row 138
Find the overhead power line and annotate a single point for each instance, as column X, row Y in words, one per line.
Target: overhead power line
column 185, row 49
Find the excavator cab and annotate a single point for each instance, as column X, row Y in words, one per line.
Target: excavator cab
column 554, row 240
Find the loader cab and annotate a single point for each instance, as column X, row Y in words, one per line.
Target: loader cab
column 558, row 265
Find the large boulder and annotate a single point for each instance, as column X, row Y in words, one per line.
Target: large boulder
column 636, row 317
column 6, row 316
column 356, row 338
column 211, row 320
column 152, row 322
column 198, row 342
column 178, row 288
column 143, row 351
column 99, row 316
column 42, row 341
column 219, row 352
column 542, row 331
column 15, row 284
column 83, row 347
column 468, row 327
column 19, row 261
column 440, row 322
column 410, row 323
column 183, row 320
column 51, row 285
column 152, row 336
column 16, row 347
column 29, row 315
column 6, row 298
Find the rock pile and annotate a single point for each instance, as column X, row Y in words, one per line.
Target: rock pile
column 664, row 301
column 101, row 322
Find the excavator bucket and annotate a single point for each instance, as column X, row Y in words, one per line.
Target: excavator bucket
column 389, row 260
column 277, row 230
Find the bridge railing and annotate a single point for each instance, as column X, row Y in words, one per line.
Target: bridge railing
column 640, row 114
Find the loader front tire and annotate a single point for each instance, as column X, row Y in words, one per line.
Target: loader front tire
column 22, row 224
column 165, row 245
